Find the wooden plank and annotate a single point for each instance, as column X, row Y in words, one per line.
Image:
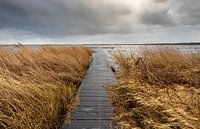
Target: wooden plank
column 94, row 111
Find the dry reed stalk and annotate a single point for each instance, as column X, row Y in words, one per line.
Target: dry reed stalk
column 37, row 87
column 160, row 89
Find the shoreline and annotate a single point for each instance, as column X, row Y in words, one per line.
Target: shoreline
column 104, row 44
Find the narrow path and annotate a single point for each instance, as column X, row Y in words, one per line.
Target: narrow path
column 94, row 111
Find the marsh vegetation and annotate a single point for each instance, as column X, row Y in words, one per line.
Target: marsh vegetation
column 38, row 86
column 158, row 89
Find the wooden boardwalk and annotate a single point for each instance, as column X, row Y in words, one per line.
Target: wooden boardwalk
column 94, row 111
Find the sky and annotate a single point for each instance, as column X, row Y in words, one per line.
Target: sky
column 99, row 21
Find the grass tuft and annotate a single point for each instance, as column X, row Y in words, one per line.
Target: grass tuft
column 38, row 86
column 158, row 90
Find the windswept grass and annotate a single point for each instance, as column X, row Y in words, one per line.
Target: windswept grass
column 158, row 90
column 37, row 87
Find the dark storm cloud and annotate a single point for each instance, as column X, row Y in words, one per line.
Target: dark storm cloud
column 62, row 16
column 179, row 12
column 157, row 18
column 187, row 11
column 58, row 18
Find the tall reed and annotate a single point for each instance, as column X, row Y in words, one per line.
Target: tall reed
column 158, row 89
column 37, row 86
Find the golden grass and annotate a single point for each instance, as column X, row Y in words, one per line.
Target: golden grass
column 37, row 87
column 158, row 90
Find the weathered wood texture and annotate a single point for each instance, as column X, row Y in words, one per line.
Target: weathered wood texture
column 94, row 111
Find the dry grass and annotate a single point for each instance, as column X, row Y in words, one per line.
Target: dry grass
column 37, row 87
column 158, row 90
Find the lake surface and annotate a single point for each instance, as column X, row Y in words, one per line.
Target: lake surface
column 111, row 49
column 137, row 49
column 121, row 47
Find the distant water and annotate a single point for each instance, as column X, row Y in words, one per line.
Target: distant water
column 137, row 49
column 121, row 47
column 133, row 49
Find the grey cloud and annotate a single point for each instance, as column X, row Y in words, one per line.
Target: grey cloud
column 179, row 12
column 187, row 11
column 157, row 18
column 62, row 16
column 58, row 18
